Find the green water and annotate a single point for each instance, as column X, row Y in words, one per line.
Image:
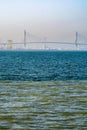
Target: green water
column 47, row 105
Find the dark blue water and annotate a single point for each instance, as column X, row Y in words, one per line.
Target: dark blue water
column 43, row 65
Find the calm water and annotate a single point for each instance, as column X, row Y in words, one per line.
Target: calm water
column 43, row 90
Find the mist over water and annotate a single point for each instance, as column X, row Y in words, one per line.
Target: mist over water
column 43, row 90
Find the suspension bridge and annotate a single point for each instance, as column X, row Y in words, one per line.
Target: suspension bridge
column 31, row 41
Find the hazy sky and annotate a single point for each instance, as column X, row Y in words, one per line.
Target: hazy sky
column 54, row 19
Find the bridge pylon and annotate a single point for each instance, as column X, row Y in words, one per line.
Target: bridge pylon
column 24, row 38
column 76, row 39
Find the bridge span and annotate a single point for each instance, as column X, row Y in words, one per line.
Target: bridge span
column 46, row 44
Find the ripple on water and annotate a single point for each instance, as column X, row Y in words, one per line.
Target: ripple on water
column 43, row 105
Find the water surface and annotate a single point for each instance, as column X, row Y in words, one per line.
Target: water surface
column 43, row 90
column 43, row 65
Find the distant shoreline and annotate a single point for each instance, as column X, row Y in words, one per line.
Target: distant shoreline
column 42, row 50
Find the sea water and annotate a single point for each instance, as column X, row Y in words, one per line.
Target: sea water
column 43, row 90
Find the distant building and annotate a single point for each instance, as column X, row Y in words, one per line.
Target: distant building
column 9, row 44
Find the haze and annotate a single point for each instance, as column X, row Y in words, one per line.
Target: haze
column 58, row 20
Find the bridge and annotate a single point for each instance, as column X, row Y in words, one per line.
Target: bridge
column 31, row 40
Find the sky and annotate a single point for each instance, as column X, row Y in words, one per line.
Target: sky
column 55, row 20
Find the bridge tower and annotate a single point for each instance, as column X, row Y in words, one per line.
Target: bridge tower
column 76, row 39
column 24, row 38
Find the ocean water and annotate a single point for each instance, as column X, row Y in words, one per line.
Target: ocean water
column 43, row 90
column 43, row 65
